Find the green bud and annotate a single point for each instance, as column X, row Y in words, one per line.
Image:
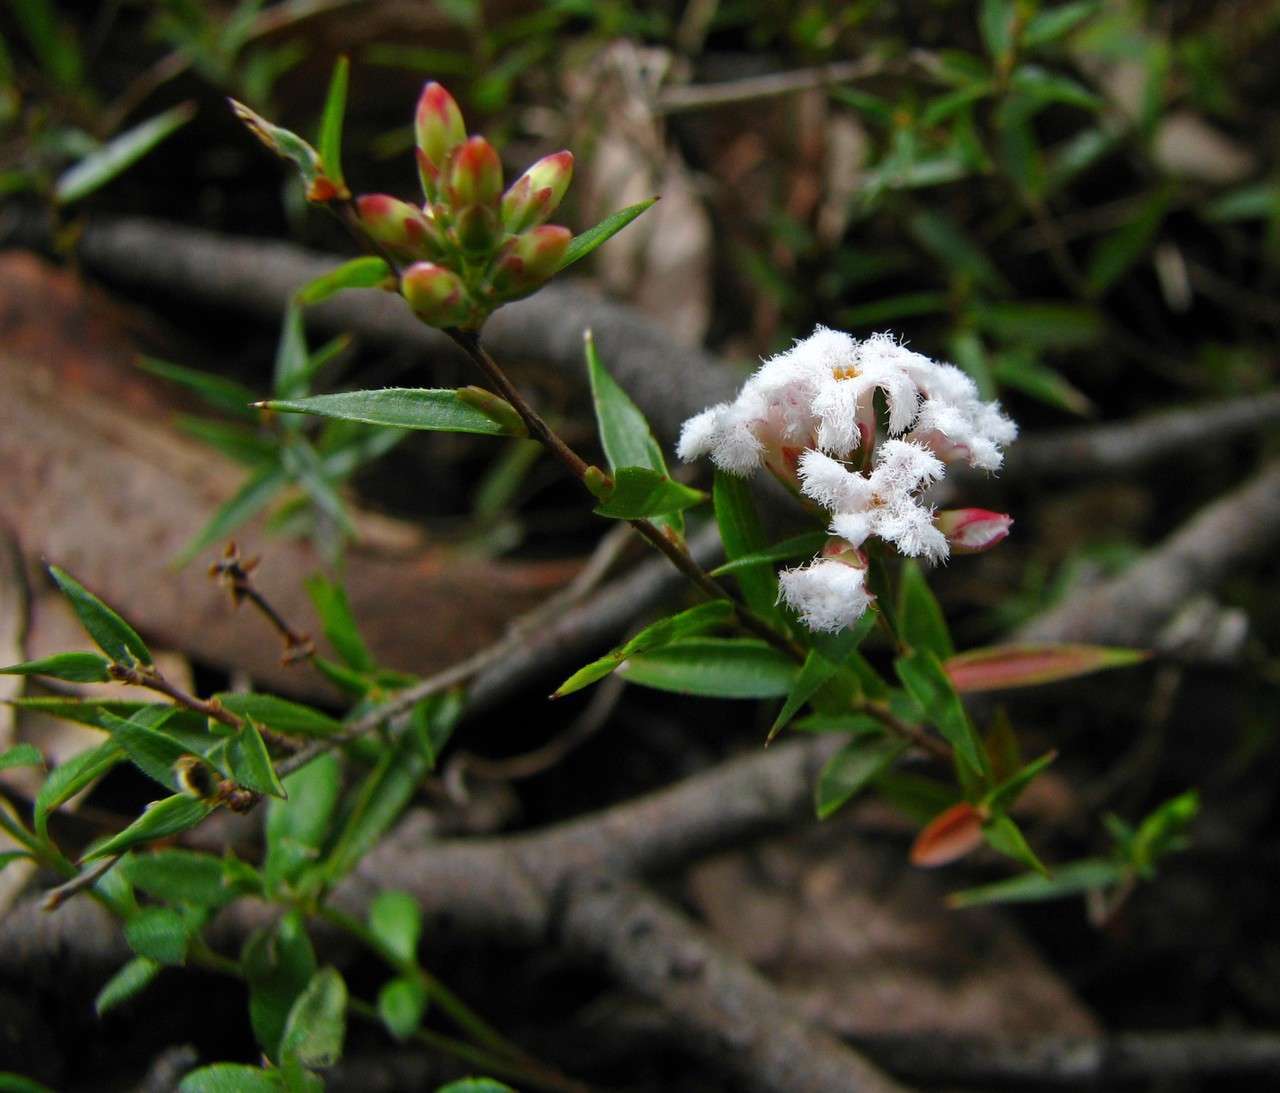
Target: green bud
column 496, row 408
column 476, row 229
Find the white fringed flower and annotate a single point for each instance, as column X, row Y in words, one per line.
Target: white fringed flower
column 883, row 503
column 821, row 394
column 828, row 595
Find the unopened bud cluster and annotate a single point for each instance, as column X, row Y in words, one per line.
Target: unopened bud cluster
column 470, row 246
column 809, row 416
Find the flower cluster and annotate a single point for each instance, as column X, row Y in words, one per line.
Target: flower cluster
column 471, row 245
column 807, row 413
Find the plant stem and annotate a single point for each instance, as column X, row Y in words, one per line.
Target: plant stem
column 676, row 553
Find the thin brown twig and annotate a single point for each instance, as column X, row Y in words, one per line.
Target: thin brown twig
column 152, row 680
column 56, row 897
column 236, row 574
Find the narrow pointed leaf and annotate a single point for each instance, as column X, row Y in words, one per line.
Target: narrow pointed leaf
column 331, row 604
column 278, row 963
column 715, row 667
column 366, row 272
column 72, row 667
column 804, row 545
column 232, row 1078
column 1085, row 875
column 640, row 493
column 257, row 492
column 296, row 827
column 589, row 240
column 696, row 620
column 218, row 391
column 121, row 152
column 21, row 755
column 920, row 618
column 1005, row 837
column 404, row 407
column 249, row 763
column 158, row 933
column 335, row 109
column 160, row 820
column 1004, row 795
column 280, row 714
column 179, row 876
column 153, row 752
column 624, row 432
column 852, row 768
column 742, row 535
column 130, row 980
column 109, row 631
column 922, row 675
column 1002, row 667
column 69, row 778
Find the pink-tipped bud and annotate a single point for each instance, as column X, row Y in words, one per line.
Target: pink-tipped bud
column 537, row 193
column 529, row 259
column 475, row 175
column 971, row 531
column 436, row 294
column 400, row 227
column 438, row 124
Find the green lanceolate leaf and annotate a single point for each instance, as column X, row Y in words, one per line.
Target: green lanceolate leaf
column 922, row 675
column 290, row 146
column 335, row 108
column 249, row 763
column 696, row 620
column 804, row 545
column 1005, row 837
column 296, row 827
column 828, row 656
column 278, row 963
column 432, row 721
column 109, row 631
column 434, row 410
column 161, row 819
column 1115, row 254
column 715, row 667
column 639, row 493
column 475, row 1085
column 317, row 1023
column 331, row 604
column 279, row 714
column 218, row 391
column 589, row 240
column 179, row 876
column 73, row 667
column 118, row 154
column 21, row 755
column 395, row 919
column 852, row 768
column 130, row 980
column 1057, row 22
column 624, row 432
column 69, row 778
column 367, row 272
column 1004, row 795
column 742, row 535
column 920, row 619
column 158, row 933
column 155, row 753
column 1066, row 880
column 401, row 1005
column 232, row 1078
column 385, row 792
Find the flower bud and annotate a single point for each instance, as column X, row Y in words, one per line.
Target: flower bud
column 475, row 175
column 950, row 835
column 476, row 229
column 971, row 531
column 537, row 193
column 495, row 408
column 400, row 227
column 437, row 295
column 529, row 259
column 438, row 124
column 840, row 550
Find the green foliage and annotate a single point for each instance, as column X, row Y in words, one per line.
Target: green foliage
column 158, row 934
column 117, row 155
column 589, row 240
column 713, row 667
column 72, row 667
column 854, row 767
column 395, row 919
column 316, row 1025
column 922, row 674
column 160, row 819
column 638, row 493
column 401, row 407
column 278, row 963
column 297, row 826
column 109, row 631
column 743, row 537
column 129, row 981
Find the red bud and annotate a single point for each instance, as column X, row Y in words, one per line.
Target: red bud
column 971, row 531
column 950, row 835
column 999, row 667
column 529, row 259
